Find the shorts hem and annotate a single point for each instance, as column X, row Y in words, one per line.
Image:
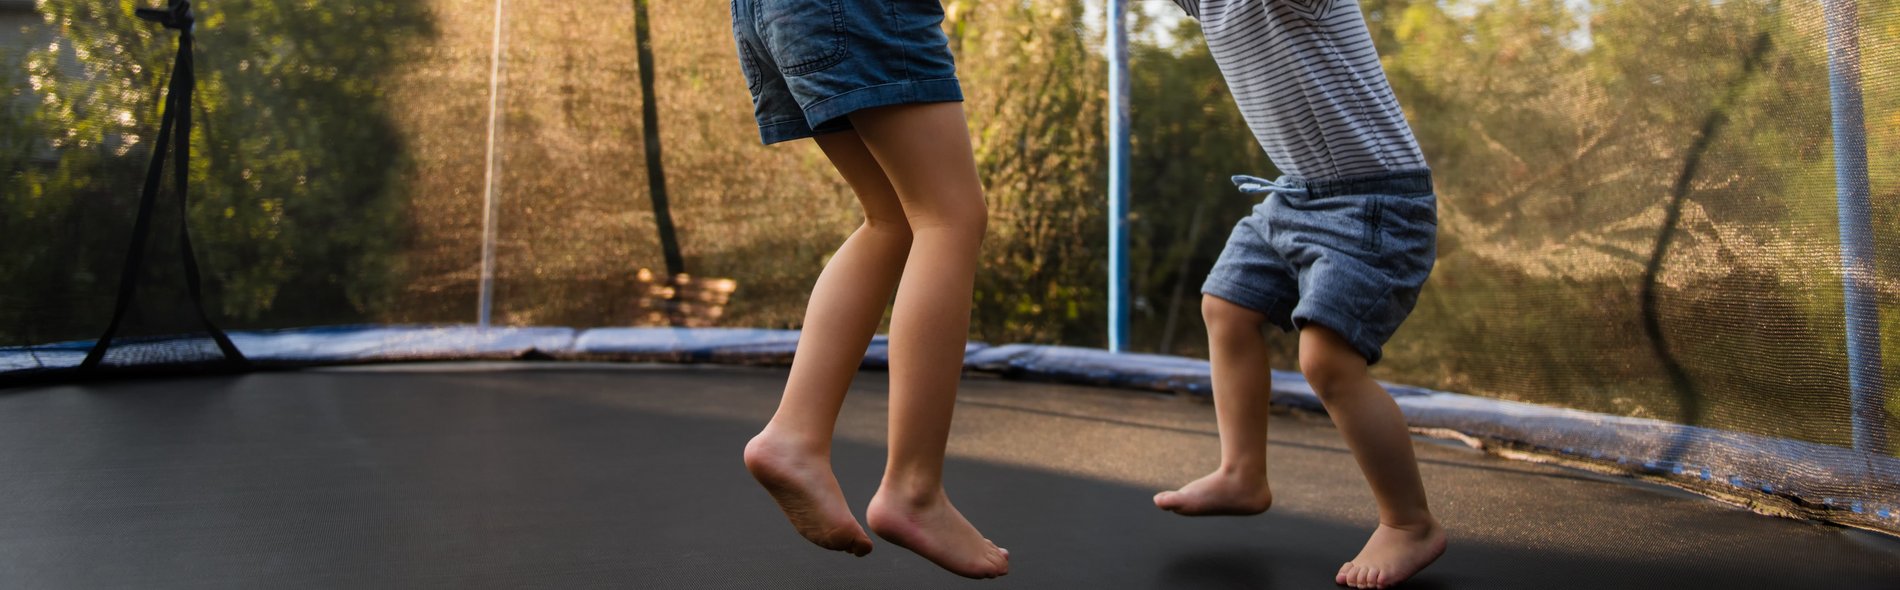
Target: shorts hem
column 1232, row 292
column 783, row 131
column 895, row 93
column 1345, row 324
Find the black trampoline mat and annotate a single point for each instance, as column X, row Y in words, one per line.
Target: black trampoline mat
column 590, row 476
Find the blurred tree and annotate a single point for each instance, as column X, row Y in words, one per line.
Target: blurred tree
column 1189, row 138
column 1034, row 83
column 293, row 205
column 650, row 129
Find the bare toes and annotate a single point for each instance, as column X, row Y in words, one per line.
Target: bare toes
column 1168, row 500
column 936, row 531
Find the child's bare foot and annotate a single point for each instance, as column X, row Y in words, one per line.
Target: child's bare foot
column 1219, row 494
column 1393, row 555
column 928, row 525
column 804, row 487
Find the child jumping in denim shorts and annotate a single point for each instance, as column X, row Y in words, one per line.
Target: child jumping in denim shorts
column 874, row 83
column 1337, row 249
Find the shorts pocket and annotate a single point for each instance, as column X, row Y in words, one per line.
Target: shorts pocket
column 1382, row 317
column 1372, row 238
column 1408, row 236
column 748, row 64
column 803, row 36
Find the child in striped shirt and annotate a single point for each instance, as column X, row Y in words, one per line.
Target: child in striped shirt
column 1337, row 249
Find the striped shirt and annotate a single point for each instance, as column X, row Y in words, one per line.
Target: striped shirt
column 1309, row 83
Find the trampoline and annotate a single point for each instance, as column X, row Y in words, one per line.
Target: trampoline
column 416, row 347
column 579, row 475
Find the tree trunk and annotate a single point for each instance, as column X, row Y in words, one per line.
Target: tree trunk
column 1181, row 279
column 650, row 128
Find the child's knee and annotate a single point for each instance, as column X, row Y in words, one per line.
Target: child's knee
column 1331, row 370
column 1227, row 319
column 977, row 217
column 980, row 220
column 887, row 229
column 964, row 223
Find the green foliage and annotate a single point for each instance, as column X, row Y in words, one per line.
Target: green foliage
column 1034, row 89
column 1187, row 140
column 1554, row 160
column 293, row 203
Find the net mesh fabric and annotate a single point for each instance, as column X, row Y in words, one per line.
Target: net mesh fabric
column 1638, row 200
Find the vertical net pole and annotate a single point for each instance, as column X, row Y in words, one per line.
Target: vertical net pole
column 1117, row 175
column 1856, row 227
column 486, row 306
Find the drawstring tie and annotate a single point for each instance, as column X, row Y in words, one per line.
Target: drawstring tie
column 1254, row 185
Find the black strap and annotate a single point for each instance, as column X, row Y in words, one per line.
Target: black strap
column 175, row 116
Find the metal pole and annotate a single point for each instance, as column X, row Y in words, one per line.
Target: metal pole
column 486, row 305
column 1856, row 227
column 1117, row 175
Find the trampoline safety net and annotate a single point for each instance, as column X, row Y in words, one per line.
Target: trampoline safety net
column 1680, row 216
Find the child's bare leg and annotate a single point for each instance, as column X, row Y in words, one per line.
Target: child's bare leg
column 925, row 150
column 1243, row 384
column 792, row 456
column 1408, row 538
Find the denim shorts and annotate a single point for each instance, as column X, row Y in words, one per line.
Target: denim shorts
column 809, row 63
column 1348, row 254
